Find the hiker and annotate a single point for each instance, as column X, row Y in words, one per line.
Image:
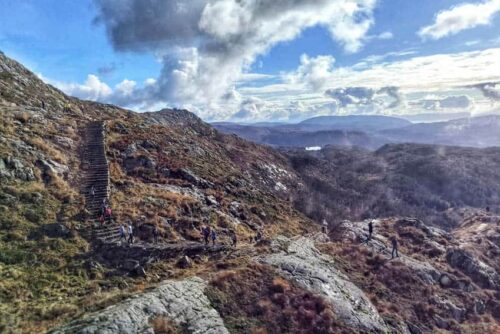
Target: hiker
column 487, row 209
column 206, row 233
column 101, row 219
column 108, row 214
column 130, row 234
column 156, row 234
column 67, row 107
column 370, row 230
column 234, row 238
column 258, row 236
column 213, row 236
column 92, row 192
column 324, row 228
column 122, row 233
column 394, row 247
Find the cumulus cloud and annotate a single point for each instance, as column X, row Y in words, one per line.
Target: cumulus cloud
column 92, row 89
column 491, row 90
column 426, row 73
column 206, row 46
column 313, row 72
column 372, row 100
column 461, row 17
column 439, row 103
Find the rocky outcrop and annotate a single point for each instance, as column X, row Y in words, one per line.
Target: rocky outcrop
column 298, row 260
column 188, row 175
column 356, row 231
column 13, row 168
column 482, row 274
column 184, row 302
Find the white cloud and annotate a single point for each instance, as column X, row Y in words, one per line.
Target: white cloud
column 207, row 46
column 314, row 72
column 435, row 103
column 92, row 89
column 461, row 17
column 435, row 72
column 371, row 88
column 386, row 35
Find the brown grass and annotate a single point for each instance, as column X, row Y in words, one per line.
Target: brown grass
column 49, row 150
column 163, row 325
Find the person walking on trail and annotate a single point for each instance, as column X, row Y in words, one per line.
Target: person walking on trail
column 92, row 192
column 156, row 234
column 394, row 247
column 213, row 236
column 234, row 238
column 324, row 227
column 122, row 233
column 370, row 230
column 130, row 234
column 258, row 236
column 206, row 234
column 108, row 214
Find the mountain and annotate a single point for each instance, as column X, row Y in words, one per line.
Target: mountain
column 423, row 181
column 435, row 117
column 370, row 132
column 355, row 122
column 481, row 131
column 64, row 271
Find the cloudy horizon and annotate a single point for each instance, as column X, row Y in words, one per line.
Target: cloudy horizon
column 265, row 60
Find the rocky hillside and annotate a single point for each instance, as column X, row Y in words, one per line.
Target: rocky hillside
column 62, row 272
column 424, row 181
column 167, row 169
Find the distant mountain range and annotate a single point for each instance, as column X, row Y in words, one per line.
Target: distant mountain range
column 370, row 132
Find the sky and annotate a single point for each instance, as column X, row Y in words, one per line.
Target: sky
column 267, row 60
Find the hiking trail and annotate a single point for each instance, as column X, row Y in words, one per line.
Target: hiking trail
column 96, row 171
column 106, row 237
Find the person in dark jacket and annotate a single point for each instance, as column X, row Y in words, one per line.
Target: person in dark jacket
column 156, row 234
column 213, row 236
column 205, row 230
column 370, row 230
column 394, row 247
column 234, row 238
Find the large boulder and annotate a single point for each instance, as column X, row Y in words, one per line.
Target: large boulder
column 188, row 175
column 56, row 230
column 482, row 274
column 142, row 161
column 184, row 302
column 14, row 168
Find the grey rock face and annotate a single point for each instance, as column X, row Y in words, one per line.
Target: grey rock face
column 56, row 230
column 132, row 163
column 13, row 168
column 482, row 274
column 181, row 301
column 189, row 176
column 298, row 260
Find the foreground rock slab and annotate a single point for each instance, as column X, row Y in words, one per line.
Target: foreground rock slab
column 181, row 301
column 298, row 260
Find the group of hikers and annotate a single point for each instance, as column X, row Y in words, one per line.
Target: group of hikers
column 209, row 233
column 394, row 241
column 127, row 231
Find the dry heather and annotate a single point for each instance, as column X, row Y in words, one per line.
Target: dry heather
column 255, row 300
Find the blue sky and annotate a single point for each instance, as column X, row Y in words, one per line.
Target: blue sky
column 301, row 69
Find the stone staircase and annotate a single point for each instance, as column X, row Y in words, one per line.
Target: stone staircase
column 106, row 238
column 95, row 165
